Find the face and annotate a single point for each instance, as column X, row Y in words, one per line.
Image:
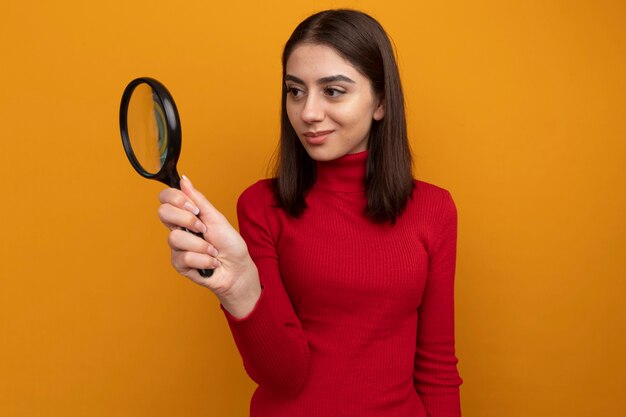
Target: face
column 330, row 104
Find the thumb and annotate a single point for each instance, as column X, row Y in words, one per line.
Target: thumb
column 208, row 213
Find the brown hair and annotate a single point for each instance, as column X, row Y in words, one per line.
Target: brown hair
column 362, row 41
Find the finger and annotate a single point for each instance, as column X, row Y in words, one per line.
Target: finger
column 208, row 213
column 174, row 218
column 179, row 199
column 180, row 240
column 189, row 262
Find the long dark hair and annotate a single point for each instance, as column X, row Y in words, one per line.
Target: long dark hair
column 362, row 41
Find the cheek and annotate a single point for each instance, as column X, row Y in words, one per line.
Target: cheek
column 292, row 114
column 356, row 116
column 360, row 109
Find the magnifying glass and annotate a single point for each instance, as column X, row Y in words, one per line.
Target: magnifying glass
column 150, row 129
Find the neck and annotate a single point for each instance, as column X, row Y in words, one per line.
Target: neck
column 346, row 174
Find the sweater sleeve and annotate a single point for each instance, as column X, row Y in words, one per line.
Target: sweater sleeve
column 270, row 339
column 435, row 374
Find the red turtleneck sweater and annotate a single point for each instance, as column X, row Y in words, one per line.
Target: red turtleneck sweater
column 355, row 318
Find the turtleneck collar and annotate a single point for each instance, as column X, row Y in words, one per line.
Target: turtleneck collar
column 346, row 174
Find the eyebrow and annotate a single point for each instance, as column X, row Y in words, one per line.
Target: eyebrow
column 324, row 80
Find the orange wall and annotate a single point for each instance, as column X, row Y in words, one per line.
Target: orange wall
column 517, row 107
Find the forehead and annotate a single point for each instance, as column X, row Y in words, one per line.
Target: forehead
column 314, row 61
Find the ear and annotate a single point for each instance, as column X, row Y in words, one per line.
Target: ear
column 379, row 112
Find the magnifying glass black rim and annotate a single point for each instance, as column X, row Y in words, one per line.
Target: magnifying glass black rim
column 167, row 174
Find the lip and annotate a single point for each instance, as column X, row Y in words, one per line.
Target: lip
column 317, row 137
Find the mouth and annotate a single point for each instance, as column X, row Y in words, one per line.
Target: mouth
column 317, row 137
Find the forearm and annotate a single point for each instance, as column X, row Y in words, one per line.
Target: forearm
column 270, row 338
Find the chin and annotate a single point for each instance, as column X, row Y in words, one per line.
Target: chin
column 322, row 155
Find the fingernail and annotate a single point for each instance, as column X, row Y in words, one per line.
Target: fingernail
column 212, row 251
column 200, row 227
column 190, row 207
column 187, row 179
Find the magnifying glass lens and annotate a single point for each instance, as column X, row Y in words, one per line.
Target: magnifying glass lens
column 147, row 129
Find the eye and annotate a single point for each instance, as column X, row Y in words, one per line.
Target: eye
column 333, row 92
column 294, row 91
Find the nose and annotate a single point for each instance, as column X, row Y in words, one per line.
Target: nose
column 313, row 110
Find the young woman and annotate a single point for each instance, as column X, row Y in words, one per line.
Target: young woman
column 339, row 290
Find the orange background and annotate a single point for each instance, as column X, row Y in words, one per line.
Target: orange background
column 517, row 107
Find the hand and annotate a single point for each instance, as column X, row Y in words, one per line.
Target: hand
column 235, row 280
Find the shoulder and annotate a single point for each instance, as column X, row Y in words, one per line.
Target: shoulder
column 257, row 225
column 433, row 197
column 259, row 193
column 256, row 205
column 435, row 210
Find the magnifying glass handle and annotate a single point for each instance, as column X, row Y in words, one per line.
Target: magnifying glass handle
column 206, row 273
